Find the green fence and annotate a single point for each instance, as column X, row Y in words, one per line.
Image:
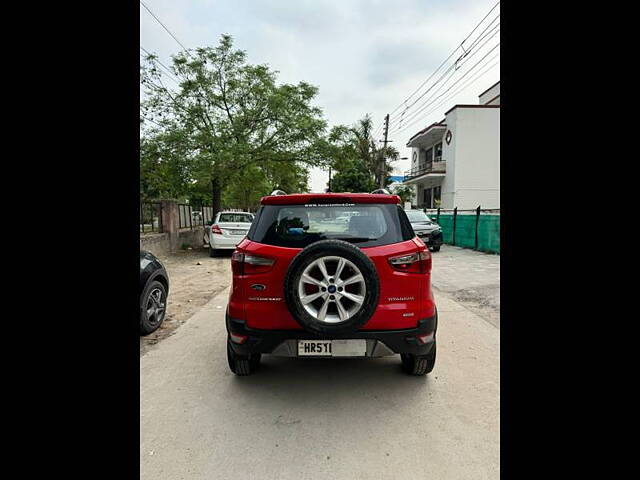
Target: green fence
column 477, row 229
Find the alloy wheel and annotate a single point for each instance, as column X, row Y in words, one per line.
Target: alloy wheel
column 332, row 289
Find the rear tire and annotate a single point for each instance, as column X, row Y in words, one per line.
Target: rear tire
column 242, row 366
column 419, row 365
column 212, row 252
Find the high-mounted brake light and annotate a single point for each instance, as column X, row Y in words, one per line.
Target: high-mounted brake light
column 245, row 263
column 417, row 262
column 216, row 229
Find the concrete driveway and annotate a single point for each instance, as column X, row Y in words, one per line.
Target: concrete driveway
column 471, row 278
column 320, row 419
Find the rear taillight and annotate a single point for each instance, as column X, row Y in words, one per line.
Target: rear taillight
column 423, row 339
column 417, row 262
column 216, row 230
column 236, row 338
column 246, row 263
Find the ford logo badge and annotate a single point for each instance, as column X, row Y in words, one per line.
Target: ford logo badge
column 258, row 286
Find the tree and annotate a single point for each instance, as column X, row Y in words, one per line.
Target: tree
column 354, row 177
column 227, row 118
column 164, row 172
column 405, row 192
column 356, row 157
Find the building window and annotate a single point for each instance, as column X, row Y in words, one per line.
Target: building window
column 436, row 197
column 426, row 198
column 429, row 155
column 438, row 153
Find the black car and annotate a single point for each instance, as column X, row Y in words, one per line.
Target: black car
column 425, row 228
column 154, row 288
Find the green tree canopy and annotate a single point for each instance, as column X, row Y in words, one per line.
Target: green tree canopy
column 357, row 158
column 226, row 121
column 405, row 192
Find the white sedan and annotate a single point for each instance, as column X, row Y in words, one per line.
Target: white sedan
column 228, row 229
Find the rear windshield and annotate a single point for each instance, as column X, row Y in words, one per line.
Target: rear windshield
column 417, row 216
column 297, row 226
column 235, row 217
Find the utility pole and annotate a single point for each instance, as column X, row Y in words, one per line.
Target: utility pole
column 383, row 159
column 329, row 189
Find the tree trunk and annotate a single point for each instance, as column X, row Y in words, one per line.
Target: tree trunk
column 215, row 196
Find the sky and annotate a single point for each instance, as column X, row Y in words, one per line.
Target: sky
column 364, row 56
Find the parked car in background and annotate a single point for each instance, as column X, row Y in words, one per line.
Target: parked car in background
column 228, row 229
column 303, row 287
column 425, row 228
column 153, row 292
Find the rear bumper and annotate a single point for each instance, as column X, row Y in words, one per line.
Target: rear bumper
column 379, row 342
column 220, row 242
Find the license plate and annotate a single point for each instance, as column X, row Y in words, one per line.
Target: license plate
column 332, row 348
column 238, row 232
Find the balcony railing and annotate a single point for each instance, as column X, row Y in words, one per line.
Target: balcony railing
column 429, row 167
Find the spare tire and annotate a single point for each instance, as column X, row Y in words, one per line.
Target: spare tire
column 331, row 288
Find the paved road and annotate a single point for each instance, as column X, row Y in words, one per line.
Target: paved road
column 472, row 278
column 320, row 419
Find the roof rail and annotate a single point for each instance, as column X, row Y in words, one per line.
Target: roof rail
column 278, row 192
column 384, row 191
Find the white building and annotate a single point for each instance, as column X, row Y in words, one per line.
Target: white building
column 456, row 162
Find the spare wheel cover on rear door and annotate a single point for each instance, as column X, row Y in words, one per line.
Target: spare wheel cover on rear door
column 332, row 287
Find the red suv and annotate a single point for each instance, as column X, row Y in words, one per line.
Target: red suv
column 331, row 275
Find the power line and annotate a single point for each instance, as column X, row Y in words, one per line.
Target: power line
column 469, row 52
column 164, row 26
column 429, row 100
column 476, row 76
column 448, row 97
column 464, row 86
column 415, row 115
column 445, row 61
column 456, row 65
column 167, row 70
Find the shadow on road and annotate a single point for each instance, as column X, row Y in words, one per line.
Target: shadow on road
column 318, row 384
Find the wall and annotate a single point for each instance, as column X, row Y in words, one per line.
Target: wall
column 473, row 159
column 160, row 243
column 447, row 194
column 494, row 101
column 489, row 95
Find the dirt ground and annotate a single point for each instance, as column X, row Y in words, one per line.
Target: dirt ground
column 191, row 287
